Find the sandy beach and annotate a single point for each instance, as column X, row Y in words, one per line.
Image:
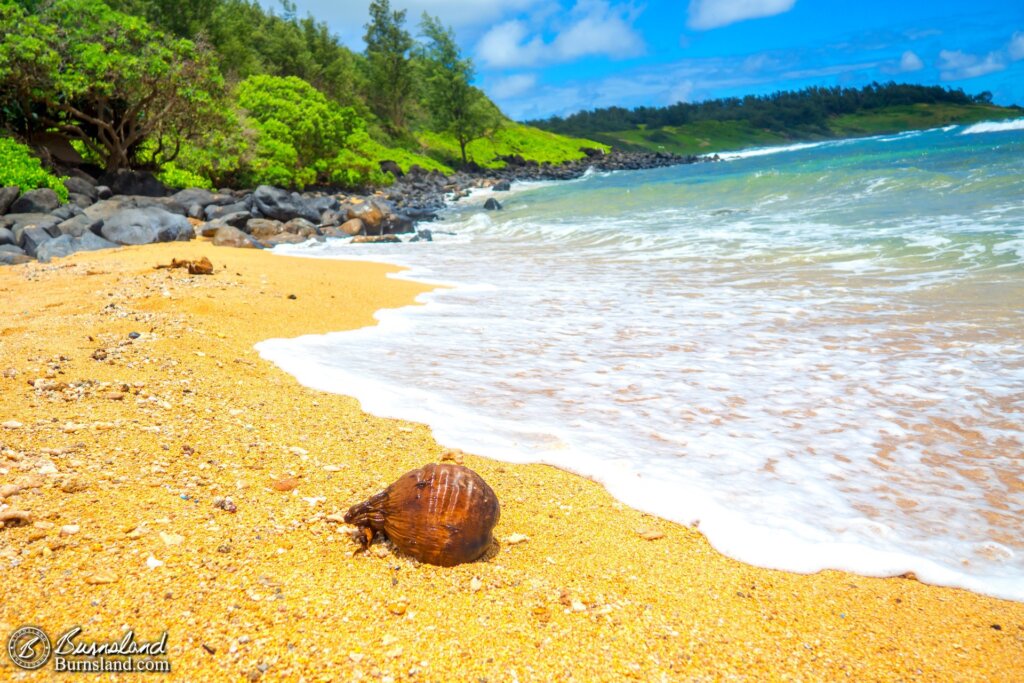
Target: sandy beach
column 118, row 449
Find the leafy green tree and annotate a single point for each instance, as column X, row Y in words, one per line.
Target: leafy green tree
column 389, row 70
column 299, row 131
column 104, row 78
column 455, row 106
column 182, row 18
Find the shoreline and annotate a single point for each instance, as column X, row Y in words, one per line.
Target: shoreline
column 599, row 591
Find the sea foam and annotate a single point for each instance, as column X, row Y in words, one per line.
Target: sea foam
column 993, row 127
column 816, row 368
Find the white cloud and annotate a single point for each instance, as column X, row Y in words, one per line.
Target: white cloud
column 706, row 14
column 513, row 85
column 910, row 62
column 955, row 65
column 1016, row 47
column 599, row 29
column 594, row 27
column 506, row 45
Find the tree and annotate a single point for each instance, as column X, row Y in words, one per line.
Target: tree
column 298, row 129
column 88, row 73
column 389, row 69
column 455, row 106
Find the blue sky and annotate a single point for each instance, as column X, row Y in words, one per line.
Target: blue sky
column 537, row 58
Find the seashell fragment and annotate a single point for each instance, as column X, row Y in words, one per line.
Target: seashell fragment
column 440, row 514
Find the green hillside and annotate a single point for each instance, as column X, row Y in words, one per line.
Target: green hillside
column 216, row 93
column 809, row 114
column 720, row 136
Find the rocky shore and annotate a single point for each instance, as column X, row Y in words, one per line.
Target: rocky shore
column 132, row 208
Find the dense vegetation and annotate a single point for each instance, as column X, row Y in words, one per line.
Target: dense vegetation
column 225, row 92
column 19, row 167
column 810, row 113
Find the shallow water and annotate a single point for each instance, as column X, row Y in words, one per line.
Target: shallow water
column 815, row 353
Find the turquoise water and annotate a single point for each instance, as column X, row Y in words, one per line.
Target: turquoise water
column 815, row 354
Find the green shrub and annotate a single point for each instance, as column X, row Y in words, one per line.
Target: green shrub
column 19, row 167
column 298, row 131
column 180, row 178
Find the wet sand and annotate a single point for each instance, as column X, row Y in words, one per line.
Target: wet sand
column 119, row 449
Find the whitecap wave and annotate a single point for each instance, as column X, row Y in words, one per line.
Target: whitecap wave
column 993, row 127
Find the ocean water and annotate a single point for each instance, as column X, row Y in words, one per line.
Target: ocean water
column 813, row 353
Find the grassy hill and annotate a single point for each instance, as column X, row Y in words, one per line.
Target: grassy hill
column 704, row 137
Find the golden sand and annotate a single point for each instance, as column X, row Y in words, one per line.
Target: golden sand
column 134, row 447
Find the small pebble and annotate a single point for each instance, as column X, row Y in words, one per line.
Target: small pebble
column 11, row 424
column 134, row 335
column 101, row 577
column 285, row 484
column 515, row 539
column 70, row 529
column 171, row 539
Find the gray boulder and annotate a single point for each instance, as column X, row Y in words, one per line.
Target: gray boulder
column 106, row 208
column 76, row 226
column 210, row 228
column 492, row 204
column 11, row 249
column 7, row 259
column 18, row 222
column 144, row 226
column 7, row 196
column 282, row 238
column 104, row 192
column 55, row 248
column 67, row 211
column 82, row 187
column 142, row 183
column 322, row 204
column 6, row 236
column 236, row 219
column 184, row 200
column 263, row 227
column 332, row 217
column 32, row 238
column 219, row 211
column 333, row 231
column 273, row 202
column 228, row 236
column 398, row 223
column 65, row 245
column 501, row 186
column 80, row 200
column 41, row 200
column 91, row 242
column 300, row 226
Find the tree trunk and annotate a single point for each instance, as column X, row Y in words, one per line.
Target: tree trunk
column 462, row 146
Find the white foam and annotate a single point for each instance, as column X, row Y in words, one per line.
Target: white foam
column 764, row 151
column 994, row 127
column 810, row 380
